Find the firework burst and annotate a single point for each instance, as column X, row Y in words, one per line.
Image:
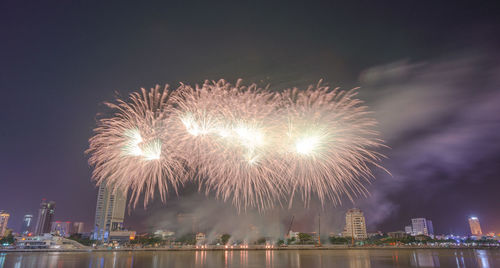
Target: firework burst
column 229, row 132
column 132, row 150
column 248, row 145
column 328, row 143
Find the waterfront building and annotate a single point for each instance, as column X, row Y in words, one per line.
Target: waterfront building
column 408, row 229
column 4, row 220
column 122, row 236
column 77, row 227
column 47, row 241
column 27, row 224
column 164, row 234
column 110, row 212
column 422, row 226
column 398, row 234
column 430, row 228
column 293, row 235
column 491, row 235
column 475, row 227
column 374, row 235
column 200, row 238
column 60, row 228
column 355, row 225
column 45, row 216
column 440, row 237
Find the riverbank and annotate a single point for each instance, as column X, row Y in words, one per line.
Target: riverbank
column 250, row 248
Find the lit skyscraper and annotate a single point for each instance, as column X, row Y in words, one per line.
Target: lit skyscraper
column 4, row 219
column 422, row 226
column 110, row 212
column 27, row 224
column 355, row 225
column 430, row 228
column 475, row 227
column 45, row 216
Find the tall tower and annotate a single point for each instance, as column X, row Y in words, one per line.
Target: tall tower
column 4, row 219
column 27, row 224
column 355, row 225
column 110, row 212
column 45, row 216
column 475, row 227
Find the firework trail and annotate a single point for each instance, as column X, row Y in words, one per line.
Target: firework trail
column 248, row 145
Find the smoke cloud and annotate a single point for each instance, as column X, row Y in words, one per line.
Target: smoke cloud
column 441, row 119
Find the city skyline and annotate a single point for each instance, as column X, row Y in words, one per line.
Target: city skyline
column 431, row 83
column 110, row 211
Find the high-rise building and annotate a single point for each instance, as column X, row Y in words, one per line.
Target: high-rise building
column 27, row 224
column 422, row 226
column 355, row 225
column 4, row 219
column 60, row 228
column 45, row 216
column 77, row 227
column 430, row 228
column 188, row 222
column 408, row 229
column 110, row 212
column 475, row 227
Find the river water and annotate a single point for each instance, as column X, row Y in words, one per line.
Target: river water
column 354, row 258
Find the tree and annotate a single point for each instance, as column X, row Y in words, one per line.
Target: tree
column 147, row 240
column 188, row 239
column 84, row 241
column 338, row 240
column 261, row 241
column 9, row 239
column 225, row 238
column 305, row 238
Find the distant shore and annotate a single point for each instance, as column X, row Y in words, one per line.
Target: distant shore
column 218, row 248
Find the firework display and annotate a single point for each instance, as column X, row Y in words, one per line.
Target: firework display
column 251, row 146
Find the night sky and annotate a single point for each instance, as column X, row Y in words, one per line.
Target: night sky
column 430, row 71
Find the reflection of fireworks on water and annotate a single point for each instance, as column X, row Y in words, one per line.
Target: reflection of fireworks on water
column 249, row 145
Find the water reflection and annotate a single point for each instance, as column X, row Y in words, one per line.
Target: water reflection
column 482, row 257
column 359, row 258
column 269, row 258
column 2, row 259
column 18, row 262
column 459, row 258
column 424, row 258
